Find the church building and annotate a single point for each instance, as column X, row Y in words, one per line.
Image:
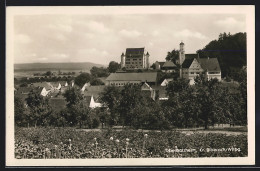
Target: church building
column 135, row 58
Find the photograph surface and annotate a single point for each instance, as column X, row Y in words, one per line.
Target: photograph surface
column 130, row 85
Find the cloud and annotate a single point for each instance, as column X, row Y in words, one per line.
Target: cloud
column 97, row 26
column 23, row 38
column 61, row 27
column 60, row 36
column 60, row 55
column 229, row 23
column 155, row 33
column 130, row 33
column 186, row 33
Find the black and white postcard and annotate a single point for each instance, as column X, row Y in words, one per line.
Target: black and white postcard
column 130, row 85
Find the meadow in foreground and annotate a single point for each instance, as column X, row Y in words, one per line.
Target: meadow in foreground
column 45, row 143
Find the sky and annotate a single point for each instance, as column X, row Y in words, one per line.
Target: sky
column 101, row 38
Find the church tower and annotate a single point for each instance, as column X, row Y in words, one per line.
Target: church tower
column 122, row 60
column 147, row 60
column 181, row 53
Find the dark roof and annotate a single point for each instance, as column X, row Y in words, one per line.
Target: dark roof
column 209, row 64
column 169, row 64
column 143, row 77
column 147, row 53
column 191, row 56
column 94, row 90
column 47, row 85
column 187, row 63
column 181, row 43
column 134, row 52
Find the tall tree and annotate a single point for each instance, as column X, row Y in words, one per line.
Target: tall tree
column 39, row 107
column 110, row 97
column 73, row 96
column 82, row 79
column 113, row 66
column 173, row 56
column 19, row 112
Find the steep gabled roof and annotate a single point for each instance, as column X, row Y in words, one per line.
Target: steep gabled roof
column 187, row 62
column 134, row 52
column 209, row 64
column 168, row 64
column 143, row 77
column 191, row 56
column 146, row 86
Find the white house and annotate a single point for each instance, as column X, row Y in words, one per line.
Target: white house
column 44, row 92
column 93, row 104
column 166, row 81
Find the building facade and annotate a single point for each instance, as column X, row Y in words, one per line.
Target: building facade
column 209, row 67
column 135, row 58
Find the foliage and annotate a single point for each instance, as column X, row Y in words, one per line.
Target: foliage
column 82, row 79
column 70, row 143
column 231, row 51
column 73, row 96
column 110, row 97
column 177, row 86
column 19, row 112
column 173, row 56
column 99, row 71
column 113, row 66
column 39, row 109
column 96, row 81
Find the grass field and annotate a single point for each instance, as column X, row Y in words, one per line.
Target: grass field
column 109, row 143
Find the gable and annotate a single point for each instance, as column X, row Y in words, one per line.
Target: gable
column 195, row 64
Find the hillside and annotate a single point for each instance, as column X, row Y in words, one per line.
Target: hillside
column 55, row 66
column 231, row 51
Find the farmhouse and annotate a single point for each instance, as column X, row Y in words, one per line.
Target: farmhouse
column 192, row 65
column 135, row 58
column 167, row 66
column 166, row 81
column 121, row 79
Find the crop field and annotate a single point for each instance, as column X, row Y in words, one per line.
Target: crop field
column 60, row 143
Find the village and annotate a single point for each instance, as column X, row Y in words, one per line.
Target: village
column 134, row 69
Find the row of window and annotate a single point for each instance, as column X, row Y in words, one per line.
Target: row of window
column 140, row 59
column 122, row 84
column 213, row 72
column 133, row 63
column 191, row 72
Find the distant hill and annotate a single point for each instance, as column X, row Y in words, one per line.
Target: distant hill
column 56, row 66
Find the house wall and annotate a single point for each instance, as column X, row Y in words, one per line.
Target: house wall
column 212, row 75
column 192, row 72
column 131, row 63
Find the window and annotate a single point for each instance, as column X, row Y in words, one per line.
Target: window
column 192, row 73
